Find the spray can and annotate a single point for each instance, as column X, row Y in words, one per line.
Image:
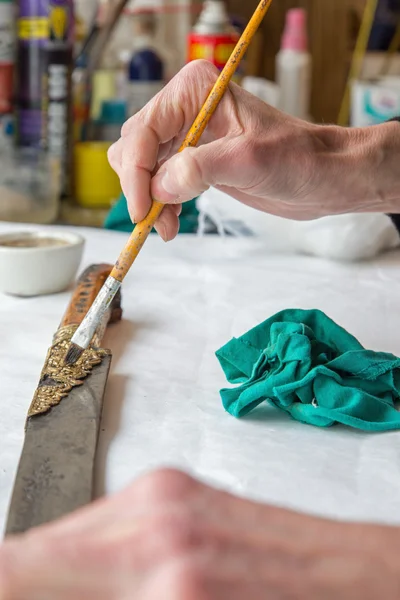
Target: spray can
column 213, row 37
column 44, row 80
column 7, row 40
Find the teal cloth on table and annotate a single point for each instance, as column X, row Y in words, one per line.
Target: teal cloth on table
column 302, row 362
column 118, row 218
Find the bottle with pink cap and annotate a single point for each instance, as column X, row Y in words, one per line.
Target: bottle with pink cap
column 293, row 66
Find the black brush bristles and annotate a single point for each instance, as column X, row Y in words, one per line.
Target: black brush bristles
column 73, row 355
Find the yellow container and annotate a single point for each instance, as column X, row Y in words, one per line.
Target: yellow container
column 96, row 184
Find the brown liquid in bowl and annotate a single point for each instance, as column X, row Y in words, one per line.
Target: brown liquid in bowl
column 33, row 242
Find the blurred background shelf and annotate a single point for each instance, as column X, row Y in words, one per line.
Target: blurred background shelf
column 71, row 214
column 333, row 27
column 109, row 83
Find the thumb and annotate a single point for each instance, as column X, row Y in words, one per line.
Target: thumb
column 191, row 172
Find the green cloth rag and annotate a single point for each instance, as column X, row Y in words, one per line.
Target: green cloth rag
column 118, row 218
column 305, row 364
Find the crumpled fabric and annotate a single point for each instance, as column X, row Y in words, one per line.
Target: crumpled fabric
column 303, row 363
column 118, row 218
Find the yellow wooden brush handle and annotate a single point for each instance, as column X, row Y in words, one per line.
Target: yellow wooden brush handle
column 142, row 229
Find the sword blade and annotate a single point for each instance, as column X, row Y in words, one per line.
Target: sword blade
column 55, row 472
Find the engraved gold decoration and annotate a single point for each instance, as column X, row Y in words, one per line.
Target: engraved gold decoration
column 58, row 379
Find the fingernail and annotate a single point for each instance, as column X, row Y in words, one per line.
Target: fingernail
column 162, row 232
column 132, row 215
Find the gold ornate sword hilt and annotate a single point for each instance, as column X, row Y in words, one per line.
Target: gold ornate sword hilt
column 57, row 379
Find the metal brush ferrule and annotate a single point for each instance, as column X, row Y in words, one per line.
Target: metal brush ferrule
column 86, row 330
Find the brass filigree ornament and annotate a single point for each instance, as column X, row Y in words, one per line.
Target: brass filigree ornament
column 57, row 378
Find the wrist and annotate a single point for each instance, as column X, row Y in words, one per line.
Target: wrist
column 385, row 154
column 372, row 155
column 360, row 167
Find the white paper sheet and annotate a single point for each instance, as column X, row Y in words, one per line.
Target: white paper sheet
column 182, row 301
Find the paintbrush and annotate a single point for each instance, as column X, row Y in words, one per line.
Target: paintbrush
column 83, row 335
column 94, row 46
column 90, row 38
column 104, row 35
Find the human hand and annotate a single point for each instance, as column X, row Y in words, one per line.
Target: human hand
column 169, row 537
column 260, row 156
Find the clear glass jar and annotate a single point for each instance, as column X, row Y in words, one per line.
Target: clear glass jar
column 29, row 186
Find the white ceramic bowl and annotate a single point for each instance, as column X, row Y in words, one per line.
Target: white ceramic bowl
column 38, row 263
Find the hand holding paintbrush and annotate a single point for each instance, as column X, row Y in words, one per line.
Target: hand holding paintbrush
column 85, row 332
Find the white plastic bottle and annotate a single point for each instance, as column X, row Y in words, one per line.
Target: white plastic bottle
column 293, row 66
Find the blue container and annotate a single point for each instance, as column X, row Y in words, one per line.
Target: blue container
column 146, row 65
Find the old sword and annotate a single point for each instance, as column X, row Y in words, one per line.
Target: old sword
column 55, row 472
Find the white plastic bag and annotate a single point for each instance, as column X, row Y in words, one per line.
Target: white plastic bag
column 347, row 237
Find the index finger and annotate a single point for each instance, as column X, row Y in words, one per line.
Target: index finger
column 162, row 122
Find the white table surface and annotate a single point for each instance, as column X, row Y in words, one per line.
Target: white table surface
column 182, row 301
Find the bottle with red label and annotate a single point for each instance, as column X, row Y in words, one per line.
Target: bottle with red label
column 7, row 41
column 214, row 37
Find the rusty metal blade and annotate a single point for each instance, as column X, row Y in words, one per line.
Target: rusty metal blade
column 55, row 473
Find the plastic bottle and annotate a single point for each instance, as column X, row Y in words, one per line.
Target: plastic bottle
column 44, row 80
column 293, row 65
column 146, row 72
column 213, row 37
column 7, row 40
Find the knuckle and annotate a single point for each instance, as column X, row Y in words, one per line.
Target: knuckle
column 248, row 154
column 177, row 532
column 7, row 587
column 200, row 66
column 188, row 170
column 185, row 581
column 167, row 485
column 112, row 155
column 128, row 126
